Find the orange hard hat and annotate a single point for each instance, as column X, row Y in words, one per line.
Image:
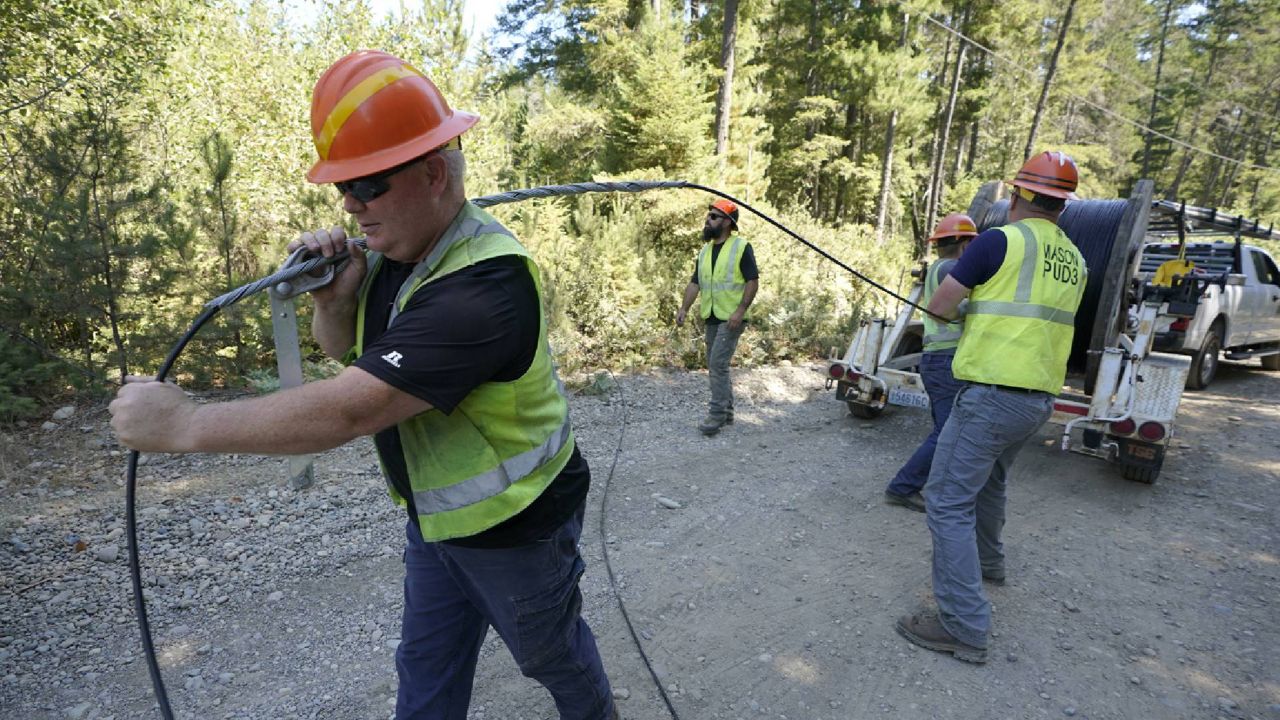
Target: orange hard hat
column 957, row 225
column 728, row 207
column 371, row 111
column 1051, row 173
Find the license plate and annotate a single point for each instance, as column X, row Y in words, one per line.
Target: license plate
column 898, row 396
column 1145, row 452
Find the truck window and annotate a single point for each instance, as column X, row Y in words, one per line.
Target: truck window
column 1266, row 267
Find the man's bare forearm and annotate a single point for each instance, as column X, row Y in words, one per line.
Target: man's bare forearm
column 334, row 328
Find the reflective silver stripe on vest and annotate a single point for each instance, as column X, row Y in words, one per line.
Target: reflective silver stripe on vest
column 1026, row 273
column 946, row 336
column 949, row 331
column 1022, row 310
column 490, row 484
column 467, row 228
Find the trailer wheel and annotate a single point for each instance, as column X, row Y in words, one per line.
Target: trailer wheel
column 866, row 412
column 1270, row 362
column 1141, row 473
column 1204, row 364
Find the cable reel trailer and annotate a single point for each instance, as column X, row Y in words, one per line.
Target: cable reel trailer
column 1121, row 398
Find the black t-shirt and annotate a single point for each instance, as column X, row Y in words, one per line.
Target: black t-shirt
column 747, row 263
column 476, row 325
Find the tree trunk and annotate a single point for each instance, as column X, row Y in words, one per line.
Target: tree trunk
column 939, row 172
column 1228, row 150
column 852, row 148
column 973, row 148
column 1155, row 90
column 724, row 100
column 1266, row 152
column 930, row 206
column 1172, row 193
column 886, row 155
column 1048, row 80
column 886, row 176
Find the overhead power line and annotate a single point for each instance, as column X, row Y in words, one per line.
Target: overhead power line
column 1105, row 110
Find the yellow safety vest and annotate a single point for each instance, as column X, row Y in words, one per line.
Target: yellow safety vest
column 506, row 441
column 722, row 286
column 938, row 336
column 1018, row 328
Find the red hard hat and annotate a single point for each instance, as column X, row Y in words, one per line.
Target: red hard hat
column 728, row 207
column 956, row 225
column 371, row 111
column 1050, row 173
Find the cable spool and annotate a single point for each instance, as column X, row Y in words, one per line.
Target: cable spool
column 1093, row 225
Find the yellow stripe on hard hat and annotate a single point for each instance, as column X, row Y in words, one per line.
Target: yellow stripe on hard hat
column 353, row 99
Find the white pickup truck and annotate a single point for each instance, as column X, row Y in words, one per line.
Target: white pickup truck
column 1238, row 314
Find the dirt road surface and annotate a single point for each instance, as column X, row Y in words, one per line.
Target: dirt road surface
column 769, row 592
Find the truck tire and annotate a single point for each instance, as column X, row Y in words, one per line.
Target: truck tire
column 866, row 412
column 1204, row 364
column 1270, row 362
column 1140, row 473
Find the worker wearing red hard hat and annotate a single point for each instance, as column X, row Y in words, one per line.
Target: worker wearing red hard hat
column 940, row 340
column 449, row 369
column 726, row 276
column 1024, row 282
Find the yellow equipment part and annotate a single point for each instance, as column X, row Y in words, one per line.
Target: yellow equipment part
column 1169, row 269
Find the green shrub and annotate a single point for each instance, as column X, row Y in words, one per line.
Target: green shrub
column 25, row 379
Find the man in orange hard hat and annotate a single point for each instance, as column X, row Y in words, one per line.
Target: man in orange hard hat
column 1024, row 282
column 448, row 368
column 727, row 277
column 940, row 341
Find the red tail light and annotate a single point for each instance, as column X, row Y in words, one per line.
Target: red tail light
column 1151, row 431
column 836, row 371
column 1123, row 427
column 852, row 376
column 1180, row 325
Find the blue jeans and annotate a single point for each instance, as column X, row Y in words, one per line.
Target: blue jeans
column 965, row 498
column 529, row 594
column 935, row 371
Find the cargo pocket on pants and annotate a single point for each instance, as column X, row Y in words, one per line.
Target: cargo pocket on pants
column 544, row 619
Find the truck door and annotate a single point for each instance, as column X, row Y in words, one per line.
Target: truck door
column 1266, row 318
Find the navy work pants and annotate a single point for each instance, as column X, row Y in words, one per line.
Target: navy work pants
column 529, row 594
column 942, row 386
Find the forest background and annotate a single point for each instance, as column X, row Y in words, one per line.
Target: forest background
column 152, row 152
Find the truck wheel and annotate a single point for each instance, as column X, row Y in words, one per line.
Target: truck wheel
column 1204, row 364
column 1140, row 473
column 1270, row 362
column 866, row 412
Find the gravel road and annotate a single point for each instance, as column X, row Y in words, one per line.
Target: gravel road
column 760, row 567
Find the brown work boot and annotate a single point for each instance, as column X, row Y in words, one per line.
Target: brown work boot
column 926, row 630
column 711, row 425
column 914, row 501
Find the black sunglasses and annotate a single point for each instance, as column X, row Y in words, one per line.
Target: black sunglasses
column 373, row 186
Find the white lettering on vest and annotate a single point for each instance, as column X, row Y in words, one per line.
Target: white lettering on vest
column 393, row 357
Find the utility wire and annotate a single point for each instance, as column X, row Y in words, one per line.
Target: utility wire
column 1106, row 111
